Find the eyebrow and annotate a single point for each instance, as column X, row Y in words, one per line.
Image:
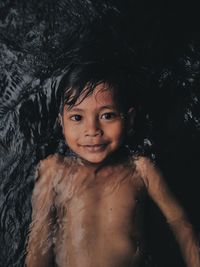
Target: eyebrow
column 74, row 109
column 108, row 107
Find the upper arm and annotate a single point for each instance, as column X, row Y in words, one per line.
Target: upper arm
column 159, row 191
column 173, row 212
column 40, row 241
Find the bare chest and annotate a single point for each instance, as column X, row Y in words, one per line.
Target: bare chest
column 111, row 196
column 98, row 212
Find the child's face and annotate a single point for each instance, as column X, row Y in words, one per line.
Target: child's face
column 94, row 127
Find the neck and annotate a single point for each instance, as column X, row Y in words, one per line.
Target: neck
column 118, row 156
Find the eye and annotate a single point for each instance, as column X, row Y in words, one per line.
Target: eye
column 108, row 116
column 76, row 117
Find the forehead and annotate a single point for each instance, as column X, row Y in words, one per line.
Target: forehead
column 102, row 95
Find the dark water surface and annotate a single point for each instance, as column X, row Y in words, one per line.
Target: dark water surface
column 38, row 41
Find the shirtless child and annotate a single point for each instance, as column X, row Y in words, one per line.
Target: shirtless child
column 85, row 206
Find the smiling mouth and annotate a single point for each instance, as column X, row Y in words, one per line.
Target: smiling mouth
column 95, row 148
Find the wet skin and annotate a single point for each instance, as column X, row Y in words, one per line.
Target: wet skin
column 88, row 216
column 96, row 219
column 88, row 209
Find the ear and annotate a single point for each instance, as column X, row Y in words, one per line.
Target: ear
column 130, row 120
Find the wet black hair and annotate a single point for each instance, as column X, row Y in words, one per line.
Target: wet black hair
column 82, row 79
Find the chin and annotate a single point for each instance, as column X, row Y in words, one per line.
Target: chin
column 94, row 158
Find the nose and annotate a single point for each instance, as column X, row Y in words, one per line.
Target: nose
column 92, row 128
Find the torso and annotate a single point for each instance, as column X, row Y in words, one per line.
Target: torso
column 99, row 214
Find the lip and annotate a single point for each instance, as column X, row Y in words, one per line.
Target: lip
column 95, row 147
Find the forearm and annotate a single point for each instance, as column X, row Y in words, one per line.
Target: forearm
column 187, row 241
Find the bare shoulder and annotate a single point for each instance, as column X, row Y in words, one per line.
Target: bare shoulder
column 50, row 162
column 53, row 163
column 50, row 169
column 48, row 174
column 147, row 169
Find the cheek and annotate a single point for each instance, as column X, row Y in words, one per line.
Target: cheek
column 70, row 133
column 116, row 131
